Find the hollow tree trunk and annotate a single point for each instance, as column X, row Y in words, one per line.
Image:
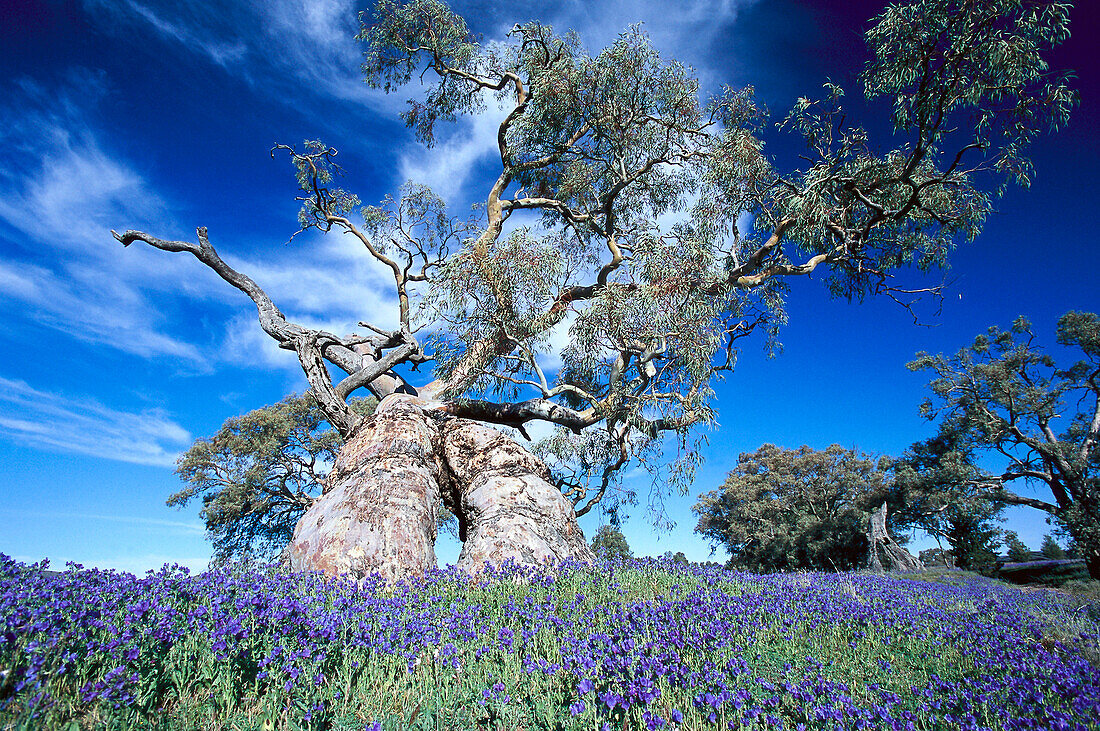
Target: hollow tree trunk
column 379, row 513
column 509, row 507
column 886, row 554
column 393, row 474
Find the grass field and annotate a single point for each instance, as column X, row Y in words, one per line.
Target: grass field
column 647, row 645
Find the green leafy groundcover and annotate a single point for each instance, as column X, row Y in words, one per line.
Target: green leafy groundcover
column 638, row 645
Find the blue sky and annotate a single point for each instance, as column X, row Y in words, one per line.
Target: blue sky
column 160, row 115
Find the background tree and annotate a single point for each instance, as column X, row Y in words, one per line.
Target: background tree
column 1017, row 550
column 609, row 544
column 257, row 476
column 785, row 509
column 974, row 542
column 936, row 557
column 1051, row 549
column 675, row 558
column 937, row 487
column 1004, row 395
column 604, row 149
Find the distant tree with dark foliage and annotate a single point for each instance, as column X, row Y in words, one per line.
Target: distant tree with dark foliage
column 258, row 474
column 784, row 509
column 609, row 544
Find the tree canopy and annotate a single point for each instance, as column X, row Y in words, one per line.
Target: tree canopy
column 1016, row 549
column 1051, row 549
column 609, row 544
column 785, row 509
column 937, row 487
column 1005, row 395
column 635, row 191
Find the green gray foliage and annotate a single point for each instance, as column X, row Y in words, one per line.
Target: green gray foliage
column 609, row 544
column 974, row 542
column 1005, row 395
column 675, row 558
column 604, row 145
column 1051, row 549
column 785, row 509
column 636, row 184
column 936, row 487
column 936, row 557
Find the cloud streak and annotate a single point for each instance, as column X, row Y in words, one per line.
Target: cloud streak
column 44, row 420
column 307, row 48
column 60, row 192
column 152, row 523
column 296, row 47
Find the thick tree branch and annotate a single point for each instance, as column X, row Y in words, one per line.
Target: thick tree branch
column 309, row 344
column 1014, row 499
column 518, row 414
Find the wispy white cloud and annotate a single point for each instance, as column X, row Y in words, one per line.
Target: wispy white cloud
column 57, row 422
column 329, row 277
column 90, row 306
column 131, row 520
column 689, row 25
column 58, row 204
column 222, row 52
column 448, row 167
column 295, row 47
column 60, row 184
column 65, row 272
column 324, row 282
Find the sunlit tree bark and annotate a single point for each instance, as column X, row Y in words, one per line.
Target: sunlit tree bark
column 885, row 554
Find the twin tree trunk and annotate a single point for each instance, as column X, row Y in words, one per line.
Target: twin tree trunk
column 395, row 472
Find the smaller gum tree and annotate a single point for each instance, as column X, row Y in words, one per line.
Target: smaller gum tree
column 786, row 509
column 1016, row 550
column 1051, row 549
column 937, row 487
column 258, row 474
column 609, row 544
column 1004, row 395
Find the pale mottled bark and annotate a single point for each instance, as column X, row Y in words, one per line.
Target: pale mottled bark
column 510, row 509
column 380, row 511
column 400, row 466
column 886, row 554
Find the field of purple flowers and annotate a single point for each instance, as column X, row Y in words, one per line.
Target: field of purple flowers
column 649, row 645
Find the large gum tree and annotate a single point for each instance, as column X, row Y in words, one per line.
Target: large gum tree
column 635, row 193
